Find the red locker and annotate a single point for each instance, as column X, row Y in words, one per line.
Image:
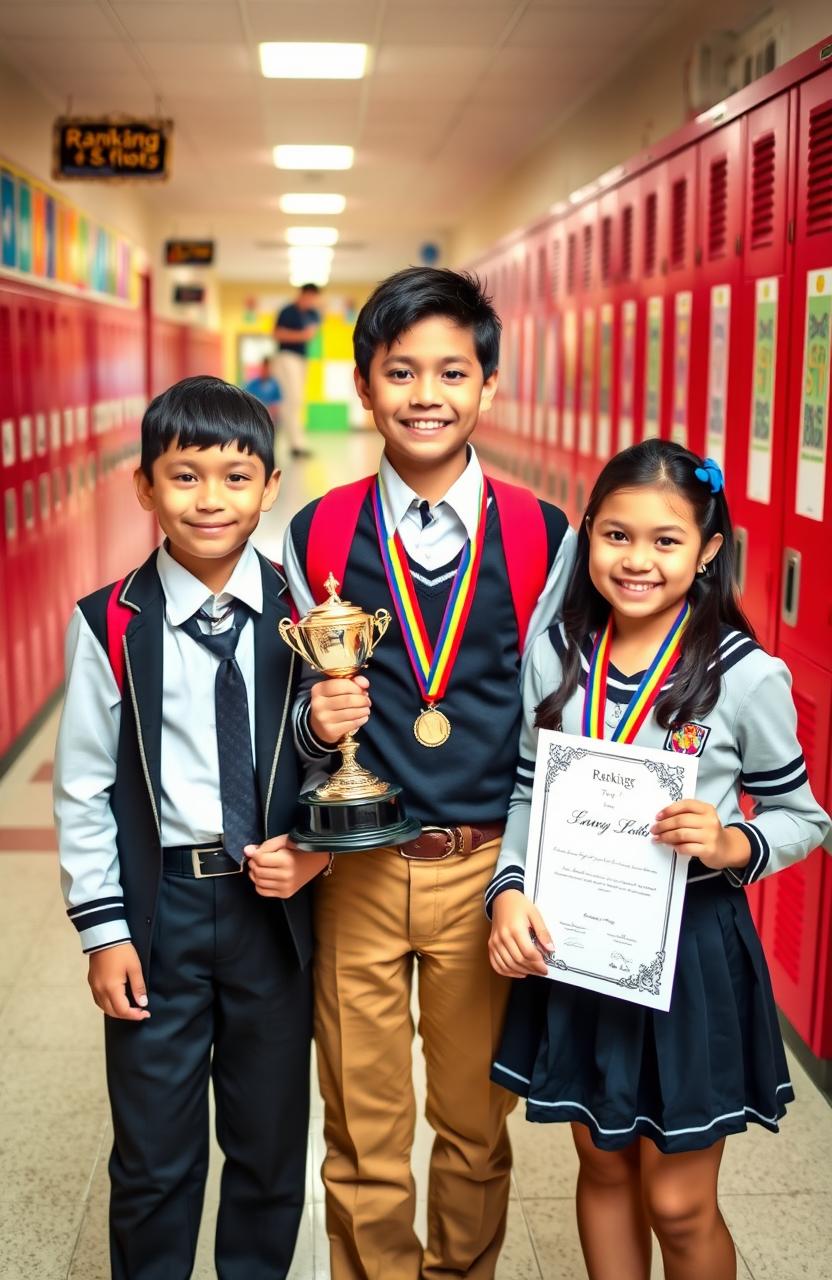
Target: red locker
column 587, row 389
column 554, row 361
column 567, row 446
column 805, row 615
column 609, row 324
column 755, row 439
column 651, row 271
column 631, row 314
column 12, row 651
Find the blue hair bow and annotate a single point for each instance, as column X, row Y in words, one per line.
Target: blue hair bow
column 709, row 473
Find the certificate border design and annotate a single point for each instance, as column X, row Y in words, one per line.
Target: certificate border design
column 670, row 776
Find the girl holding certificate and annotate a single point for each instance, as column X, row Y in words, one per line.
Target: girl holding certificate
column 654, row 647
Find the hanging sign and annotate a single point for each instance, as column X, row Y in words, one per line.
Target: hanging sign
column 189, row 253
column 814, row 405
column 718, row 371
column 111, row 147
column 188, row 294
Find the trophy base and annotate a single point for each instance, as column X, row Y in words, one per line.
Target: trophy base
column 351, row 826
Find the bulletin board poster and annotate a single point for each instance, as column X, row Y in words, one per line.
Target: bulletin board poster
column 653, row 368
column 718, row 371
column 45, row 240
column 814, row 404
column 758, row 481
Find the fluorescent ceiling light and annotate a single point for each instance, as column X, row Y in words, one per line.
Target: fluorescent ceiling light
column 313, row 157
column 296, row 61
column 312, row 202
column 310, row 257
column 311, row 235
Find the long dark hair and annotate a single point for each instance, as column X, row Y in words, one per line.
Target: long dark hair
column 713, row 595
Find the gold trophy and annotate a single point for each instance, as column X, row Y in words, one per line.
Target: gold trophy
column 353, row 809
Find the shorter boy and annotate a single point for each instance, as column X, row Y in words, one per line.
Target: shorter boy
column 173, row 762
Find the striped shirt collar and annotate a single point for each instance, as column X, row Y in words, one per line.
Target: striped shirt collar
column 185, row 594
column 462, row 497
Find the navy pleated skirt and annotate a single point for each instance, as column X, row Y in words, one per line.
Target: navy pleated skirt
column 708, row 1067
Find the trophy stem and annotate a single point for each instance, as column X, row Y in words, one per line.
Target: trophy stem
column 351, row 781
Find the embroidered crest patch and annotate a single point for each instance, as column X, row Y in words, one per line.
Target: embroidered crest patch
column 687, row 739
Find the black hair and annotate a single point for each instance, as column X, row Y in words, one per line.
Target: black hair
column 309, row 288
column 713, row 595
column 205, row 411
column 416, row 293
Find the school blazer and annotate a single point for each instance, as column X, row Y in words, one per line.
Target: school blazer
column 136, row 795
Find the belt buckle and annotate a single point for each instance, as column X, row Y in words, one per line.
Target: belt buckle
column 452, row 836
column 196, row 863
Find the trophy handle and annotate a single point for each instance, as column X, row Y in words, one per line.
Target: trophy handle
column 380, row 621
column 288, row 635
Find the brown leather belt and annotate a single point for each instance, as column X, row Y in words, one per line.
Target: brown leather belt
column 436, row 843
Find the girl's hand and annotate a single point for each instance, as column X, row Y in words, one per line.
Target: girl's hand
column 511, row 950
column 693, row 828
column 338, row 707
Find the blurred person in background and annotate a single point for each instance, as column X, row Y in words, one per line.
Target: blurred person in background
column 295, row 327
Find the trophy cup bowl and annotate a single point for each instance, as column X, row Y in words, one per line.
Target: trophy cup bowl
column 353, row 809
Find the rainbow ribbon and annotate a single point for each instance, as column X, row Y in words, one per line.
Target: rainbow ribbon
column 641, row 703
column 432, row 665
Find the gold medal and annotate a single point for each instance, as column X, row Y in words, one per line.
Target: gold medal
column 432, row 727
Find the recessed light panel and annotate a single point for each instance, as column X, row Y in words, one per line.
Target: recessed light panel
column 292, row 157
column 296, row 61
column 311, row 235
column 296, row 202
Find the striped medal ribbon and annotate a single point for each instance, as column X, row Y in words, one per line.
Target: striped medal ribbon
column 640, row 705
column 432, row 665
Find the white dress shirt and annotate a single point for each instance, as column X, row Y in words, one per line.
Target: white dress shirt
column 86, row 750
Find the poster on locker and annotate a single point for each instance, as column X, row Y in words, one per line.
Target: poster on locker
column 758, row 483
column 681, row 366
column 718, row 351
column 814, row 405
column 626, row 390
column 653, row 368
column 603, row 443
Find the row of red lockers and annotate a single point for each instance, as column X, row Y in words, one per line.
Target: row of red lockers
column 672, row 301
column 75, row 377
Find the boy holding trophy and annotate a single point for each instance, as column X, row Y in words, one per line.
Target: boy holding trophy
column 470, row 570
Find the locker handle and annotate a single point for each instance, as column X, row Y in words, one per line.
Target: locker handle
column 791, row 586
column 740, row 555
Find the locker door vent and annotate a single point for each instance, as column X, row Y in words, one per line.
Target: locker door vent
column 718, row 208
column 627, row 243
column 650, row 218
column 678, row 239
column 789, row 916
column 819, row 196
column 762, row 191
column 570, row 264
column 807, row 725
column 587, row 267
column 606, row 250
column 555, row 268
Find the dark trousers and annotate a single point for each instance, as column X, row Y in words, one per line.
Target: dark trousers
column 227, row 1000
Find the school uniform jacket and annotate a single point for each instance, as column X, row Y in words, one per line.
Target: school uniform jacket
column 112, row 892
column 746, row 744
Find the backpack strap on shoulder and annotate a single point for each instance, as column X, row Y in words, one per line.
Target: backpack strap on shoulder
column 331, row 533
column 118, row 617
column 526, row 548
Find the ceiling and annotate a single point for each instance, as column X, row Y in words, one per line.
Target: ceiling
column 457, row 92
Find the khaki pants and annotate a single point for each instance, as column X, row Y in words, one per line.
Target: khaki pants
column 376, row 917
column 290, row 370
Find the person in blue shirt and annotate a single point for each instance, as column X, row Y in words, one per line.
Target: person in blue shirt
column 267, row 389
column 296, row 326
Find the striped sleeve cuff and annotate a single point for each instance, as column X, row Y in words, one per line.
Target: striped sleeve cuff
column 509, row 878
column 100, row 923
column 758, row 861
column 307, row 740
column 775, row 782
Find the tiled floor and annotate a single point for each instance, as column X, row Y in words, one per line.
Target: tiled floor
column 54, row 1127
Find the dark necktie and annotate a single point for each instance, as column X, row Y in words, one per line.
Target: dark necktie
column 241, row 816
column 424, row 512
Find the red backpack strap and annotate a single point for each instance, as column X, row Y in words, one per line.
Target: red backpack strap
column 118, row 616
column 331, row 533
column 293, row 609
column 526, row 547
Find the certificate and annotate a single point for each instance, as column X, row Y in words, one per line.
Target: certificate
column 610, row 894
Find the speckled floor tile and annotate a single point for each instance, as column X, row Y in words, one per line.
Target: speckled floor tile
column 545, row 1163
column 91, row 1260
column 783, row 1237
column 50, row 1018
column 36, row 1083
column 50, row 1161
column 36, row 1241
column 29, row 887
column 55, row 959
column 518, row 1260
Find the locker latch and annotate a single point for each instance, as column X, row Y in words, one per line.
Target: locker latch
column 791, row 586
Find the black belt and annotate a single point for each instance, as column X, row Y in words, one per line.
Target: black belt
column 200, row 862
